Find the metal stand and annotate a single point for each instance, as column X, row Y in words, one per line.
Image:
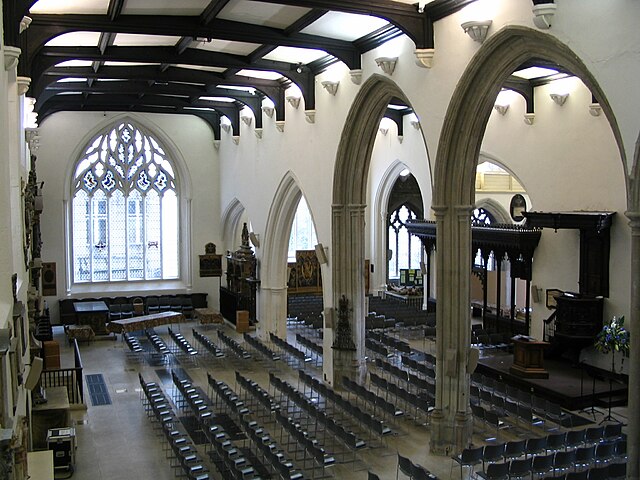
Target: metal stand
column 591, row 410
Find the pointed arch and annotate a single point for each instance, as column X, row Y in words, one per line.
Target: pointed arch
column 231, row 221
column 495, row 208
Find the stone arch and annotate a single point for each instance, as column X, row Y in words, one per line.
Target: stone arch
column 458, row 149
column 231, row 224
column 381, row 202
column 273, row 288
column 496, row 209
column 348, row 217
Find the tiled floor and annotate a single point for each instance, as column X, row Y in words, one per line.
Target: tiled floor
column 117, row 441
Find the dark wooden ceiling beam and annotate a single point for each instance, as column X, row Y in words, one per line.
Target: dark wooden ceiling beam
column 45, row 27
column 115, row 9
column 212, row 10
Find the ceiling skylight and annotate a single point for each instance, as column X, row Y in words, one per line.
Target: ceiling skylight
column 71, row 6
column 225, row 46
column 75, row 63
column 135, row 40
column 201, row 67
column 295, row 55
column 261, row 13
column 250, row 90
column 534, row 72
column 75, row 39
column 344, row 26
column 263, row 74
column 218, row 99
column 71, row 79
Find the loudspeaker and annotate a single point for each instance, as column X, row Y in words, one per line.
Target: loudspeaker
column 423, row 268
column 535, row 293
column 322, row 257
column 49, row 288
column 33, row 377
column 389, row 255
column 255, row 239
column 328, row 317
column 472, row 362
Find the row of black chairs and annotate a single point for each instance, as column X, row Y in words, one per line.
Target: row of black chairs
column 261, row 347
column 293, row 352
column 412, row 470
column 228, row 397
column 180, row 445
column 339, row 431
column 377, row 348
column 425, row 367
column 158, row 344
column 310, row 445
column 208, row 344
column 422, row 402
column 373, row 321
column 376, row 400
column 363, row 418
column 233, row 345
column 133, row 344
column 183, row 345
column 420, row 385
column 309, row 344
column 399, row 345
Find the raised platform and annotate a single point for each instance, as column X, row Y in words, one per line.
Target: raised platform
column 563, row 385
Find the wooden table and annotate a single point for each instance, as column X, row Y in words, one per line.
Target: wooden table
column 207, row 316
column 143, row 322
column 94, row 314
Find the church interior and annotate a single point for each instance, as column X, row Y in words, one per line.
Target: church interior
column 297, row 239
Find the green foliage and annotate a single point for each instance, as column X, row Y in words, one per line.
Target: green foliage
column 613, row 337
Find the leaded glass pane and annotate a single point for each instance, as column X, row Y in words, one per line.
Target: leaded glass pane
column 154, row 226
column 135, row 236
column 81, row 238
column 303, row 233
column 99, row 230
column 118, row 236
column 169, row 235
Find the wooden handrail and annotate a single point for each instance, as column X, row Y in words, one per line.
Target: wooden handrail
column 67, row 377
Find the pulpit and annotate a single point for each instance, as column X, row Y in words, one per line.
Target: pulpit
column 528, row 357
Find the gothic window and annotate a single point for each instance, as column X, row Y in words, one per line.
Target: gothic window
column 125, row 222
column 303, row 233
column 405, row 250
column 480, row 217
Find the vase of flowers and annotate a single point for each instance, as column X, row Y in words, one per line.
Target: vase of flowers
column 613, row 338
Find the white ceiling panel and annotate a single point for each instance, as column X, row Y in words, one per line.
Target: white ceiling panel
column 295, row 55
column 259, row 13
column 128, row 64
column 344, row 26
column 164, row 7
column 203, row 68
column 266, row 75
column 224, row 46
column 75, row 63
column 71, row 6
column 75, row 39
column 134, row 40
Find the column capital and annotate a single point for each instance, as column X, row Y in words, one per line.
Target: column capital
column 634, row 221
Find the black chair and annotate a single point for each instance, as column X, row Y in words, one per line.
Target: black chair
column 616, row 471
column 404, row 466
column 514, row 449
column 492, row 454
column 563, row 461
column 575, row 438
column 541, row 466
column 577, row 476
column 520, row 469
column 372, row 476
column 612, row 432
column 535, row 446
column 602, row 473
column 556, row 441
column 495, row 471
column 604, row 453
column 470, row 457
column 584, row 457
column 593, row 435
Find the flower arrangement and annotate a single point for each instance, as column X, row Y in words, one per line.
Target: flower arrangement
column 613, row 337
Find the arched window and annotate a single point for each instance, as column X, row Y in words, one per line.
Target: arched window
column 125, row 220
column 405, row 249
column 480, row 217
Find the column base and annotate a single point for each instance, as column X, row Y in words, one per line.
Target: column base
column 347, row 364
column 450, row 434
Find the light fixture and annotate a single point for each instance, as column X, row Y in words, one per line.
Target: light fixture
column 246, row 119
column 268, row 111
column 477, row 29
column 331, row 86
column 529, row 118
column 293, row 101
column 387, row 64
column 310, row 116
column 595, row 109
column 543, row 14
column 356, row 75
column 280, row 125
column 501, row 109
column 559, row 98
column 424, row 57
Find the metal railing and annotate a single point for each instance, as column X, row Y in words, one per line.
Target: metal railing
column 67, row 377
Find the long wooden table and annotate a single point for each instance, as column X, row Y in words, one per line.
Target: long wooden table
column 143, row 322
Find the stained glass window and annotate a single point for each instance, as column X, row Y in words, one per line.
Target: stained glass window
column 125, row 224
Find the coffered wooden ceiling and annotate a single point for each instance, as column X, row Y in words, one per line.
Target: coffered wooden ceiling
column 207, row 58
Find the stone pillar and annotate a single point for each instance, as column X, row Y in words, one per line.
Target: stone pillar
column 347, row 264
column 273, row 312
column 633, row 426
column 451, row 420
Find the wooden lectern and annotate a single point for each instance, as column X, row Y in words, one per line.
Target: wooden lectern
column 528, row 357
